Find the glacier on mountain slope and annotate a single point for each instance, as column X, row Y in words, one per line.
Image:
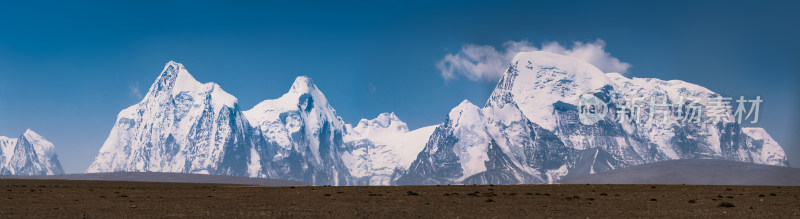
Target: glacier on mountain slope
column 182, row 125
column 529, row 131
column 556, row 78
column 380, row 150
column 30, row 154
column 771, row 152
column 303, row 134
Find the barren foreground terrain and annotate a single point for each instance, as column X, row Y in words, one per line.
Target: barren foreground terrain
column 74, row 198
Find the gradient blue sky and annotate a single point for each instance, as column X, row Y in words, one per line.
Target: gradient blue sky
column 68, row 68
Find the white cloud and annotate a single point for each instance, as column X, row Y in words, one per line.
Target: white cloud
column 482, row 62
column 134, row 89
column 593, row 52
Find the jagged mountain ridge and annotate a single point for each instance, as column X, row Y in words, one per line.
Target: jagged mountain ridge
column 182, row 125
column 532, row 118
column 28, row 155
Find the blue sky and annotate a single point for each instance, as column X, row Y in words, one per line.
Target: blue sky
column 68, row 68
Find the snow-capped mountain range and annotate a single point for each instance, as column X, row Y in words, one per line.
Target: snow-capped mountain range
column 527, row 132
column 29, row 154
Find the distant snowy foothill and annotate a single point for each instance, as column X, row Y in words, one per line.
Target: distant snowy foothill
column 28, row 155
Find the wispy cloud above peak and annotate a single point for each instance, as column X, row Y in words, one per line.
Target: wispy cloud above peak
column 487, row 63
column 134, row 90
column 592, row 52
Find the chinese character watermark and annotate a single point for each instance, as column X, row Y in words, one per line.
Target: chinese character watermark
column 592, row 109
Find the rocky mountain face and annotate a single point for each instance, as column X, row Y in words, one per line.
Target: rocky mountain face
column 530, row 129
column 28, row 155
column 181, row 125
column 303, row 137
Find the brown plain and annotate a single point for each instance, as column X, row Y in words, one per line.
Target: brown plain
column 102, row 199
